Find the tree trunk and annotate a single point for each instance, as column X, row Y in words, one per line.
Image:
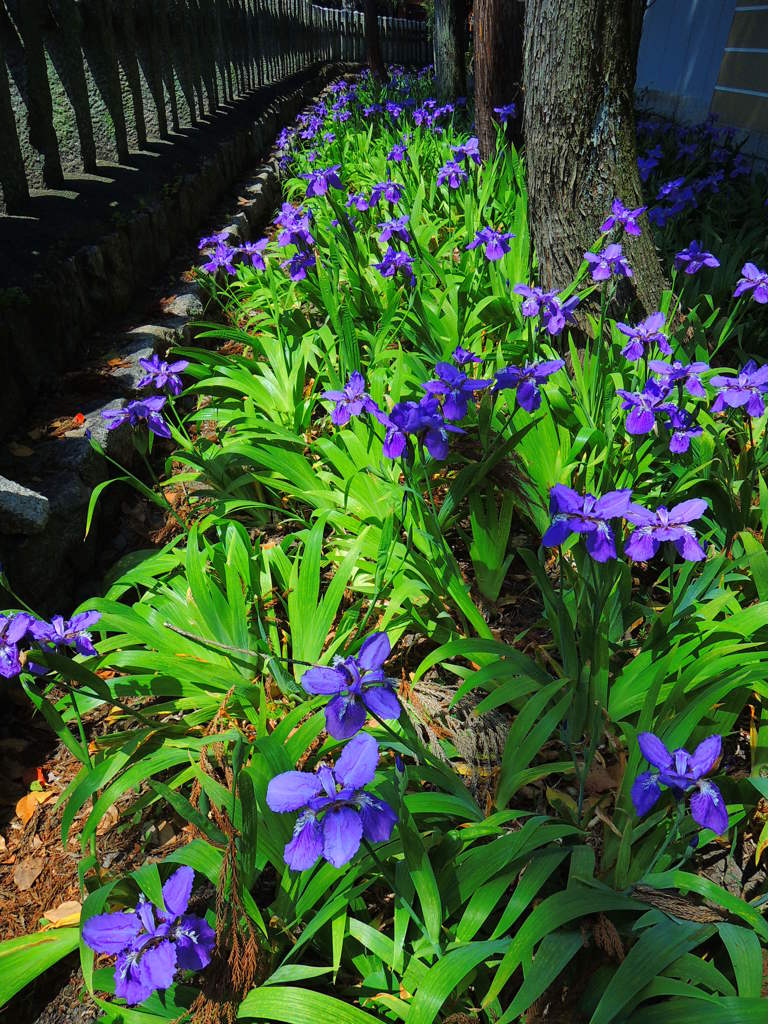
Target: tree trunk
column 580, row 66
column 372, row 40
column 498, row 48
column 450, row 45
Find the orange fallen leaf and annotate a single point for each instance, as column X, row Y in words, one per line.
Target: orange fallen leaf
column 66, row 913
column 78, row 418
column 28, row 804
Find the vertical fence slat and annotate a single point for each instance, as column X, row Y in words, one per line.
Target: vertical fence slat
column 13, row 177
column 42, row 134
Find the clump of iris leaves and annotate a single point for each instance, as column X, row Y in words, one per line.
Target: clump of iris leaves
column 389, row 418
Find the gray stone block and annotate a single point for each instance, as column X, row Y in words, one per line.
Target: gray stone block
column 131, row 350
column 22, row 510
column 187, row 304
column 243, row 225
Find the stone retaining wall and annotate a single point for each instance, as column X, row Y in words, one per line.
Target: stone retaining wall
column 44, row 323
column 43, row 508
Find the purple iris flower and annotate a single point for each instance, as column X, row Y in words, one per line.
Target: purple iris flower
column 299, row 264
column 319, row 181
column 424, row 421
column 13, row 629
column 221, row 259
column 534, row 298
column 358, row 685
column 152, row 943
column 747, row 389
column 254, row 251
column 710, row 181
column 495, row 243
column 742, row 166
column 462, row 356
column 654, row 528
column 398, row 153
column 687, row 149
column 395, row 261
column 660, row 215
column 685, row 198
column 620, row 214
column 389, row 190
column 647, row 333
column 670, row 189
column 556, row 314
column 397, row 228
column 147, row 410
column 451, row 173
column 336, row 810
column 506, row 113
column 753, row 278
column 285, row 138
column 528, row 380
column 329, row 137
column 159, row 373
column 682, row 772
column 456, row 387
column 358, row 201
column 394, row 110
column 213, row 240
column 682, row 427
column 643, row 406
column 469, row 150
column 609, row 261
column 72, row 633
column 313, row 127
column 646, row 165
column 295, row 224
column 350, row 402
column 693, row 258
column 677, row 373
column 584, row 513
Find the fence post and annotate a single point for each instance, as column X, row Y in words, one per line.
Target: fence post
column 42, row 134
column 13, row 177
column 72, row 75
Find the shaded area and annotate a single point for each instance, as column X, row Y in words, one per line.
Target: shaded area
column 52, row 225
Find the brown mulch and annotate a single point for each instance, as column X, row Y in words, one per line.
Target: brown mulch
column 38, row 872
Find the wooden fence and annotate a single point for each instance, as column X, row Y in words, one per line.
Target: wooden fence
column 84, row 82
column 403, row 40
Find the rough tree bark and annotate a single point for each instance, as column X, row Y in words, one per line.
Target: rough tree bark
column 580, row 62
column 372, row 40
column 498, row 49
column 450, row 45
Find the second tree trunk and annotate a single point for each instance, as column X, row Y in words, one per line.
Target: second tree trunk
column 450, row 47
column 580, row 63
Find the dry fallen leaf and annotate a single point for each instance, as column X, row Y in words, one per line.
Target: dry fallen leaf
column 28, row 804
column 66, row 913
column 109, row 820
column 5, row 857
column 20, row 450
column 26, row 871
column 603, row 780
